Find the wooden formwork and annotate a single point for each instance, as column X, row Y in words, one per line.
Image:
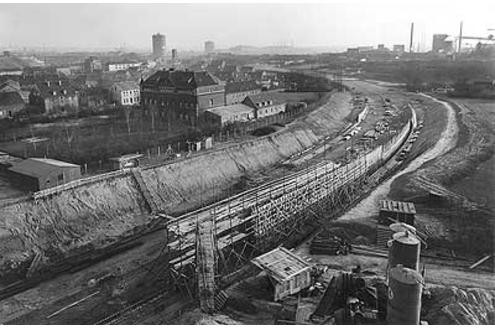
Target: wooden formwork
column 259, row 219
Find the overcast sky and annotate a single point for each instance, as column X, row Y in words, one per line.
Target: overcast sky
column 187, row 26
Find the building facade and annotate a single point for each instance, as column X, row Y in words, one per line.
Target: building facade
column 182, row 95
column 55, row 96
column 121, row 66
column 266, row 104
column 236, row 92
column 158, row 45
column 93, row 98
column 92, row 64
column 126, row 93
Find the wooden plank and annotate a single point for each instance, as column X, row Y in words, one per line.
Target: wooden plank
column 72, row 305
column 481, row 261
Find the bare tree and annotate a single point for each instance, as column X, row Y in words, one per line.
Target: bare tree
column 127, row 112
column 69, row 136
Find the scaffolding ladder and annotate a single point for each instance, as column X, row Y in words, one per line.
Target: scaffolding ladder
column 205, row 265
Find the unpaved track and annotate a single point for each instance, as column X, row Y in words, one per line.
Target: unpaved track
column 368, row 207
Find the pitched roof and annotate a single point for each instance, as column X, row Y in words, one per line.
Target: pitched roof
column 39, row 167
column 231, row 109
column 183, row 80
column 281, row 264
column 47, row 91
column 9, row 85
column 126, row 85
column 241, row 86
column 266, row 98
column 10, row 98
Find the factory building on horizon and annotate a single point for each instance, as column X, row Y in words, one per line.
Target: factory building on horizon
column 441, row 44
column 398, row 48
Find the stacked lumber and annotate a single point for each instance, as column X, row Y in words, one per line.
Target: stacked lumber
column 327, row 243
column 383, row 235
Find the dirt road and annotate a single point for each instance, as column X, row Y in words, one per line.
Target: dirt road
column 368, row 207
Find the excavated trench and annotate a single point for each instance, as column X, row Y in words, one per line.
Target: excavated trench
column 368, row 207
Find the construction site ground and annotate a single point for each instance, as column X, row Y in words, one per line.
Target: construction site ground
column 30, row 305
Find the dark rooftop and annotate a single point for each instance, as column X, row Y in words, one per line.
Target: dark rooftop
column 183, row 80
column 10, row 98
column 233, row 87
column 39, row 167
column 265, row 99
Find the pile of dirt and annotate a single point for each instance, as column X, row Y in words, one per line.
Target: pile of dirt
column 456, row 306
column 196, row 317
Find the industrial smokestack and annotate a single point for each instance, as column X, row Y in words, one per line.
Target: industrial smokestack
column 411, row 38
column 460, row 39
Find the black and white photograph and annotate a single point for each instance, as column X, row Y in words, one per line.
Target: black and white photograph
column 247, row 163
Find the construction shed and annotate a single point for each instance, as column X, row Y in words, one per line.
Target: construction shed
column 397, row 211
column 288, row 272
column 224, row 115
column 36, row 174
column 126, row 161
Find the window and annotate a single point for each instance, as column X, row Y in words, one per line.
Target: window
column 211, row 102
column 60, row 177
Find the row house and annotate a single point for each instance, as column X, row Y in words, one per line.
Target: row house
column 55, row 96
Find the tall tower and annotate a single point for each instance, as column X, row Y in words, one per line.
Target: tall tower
column 158, row 43
column 209, row 46
column 460, row 39
column 411, row 38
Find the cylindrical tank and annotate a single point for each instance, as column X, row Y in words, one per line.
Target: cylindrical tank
column 401, row 226
column 404, row 296
column 404, row 249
